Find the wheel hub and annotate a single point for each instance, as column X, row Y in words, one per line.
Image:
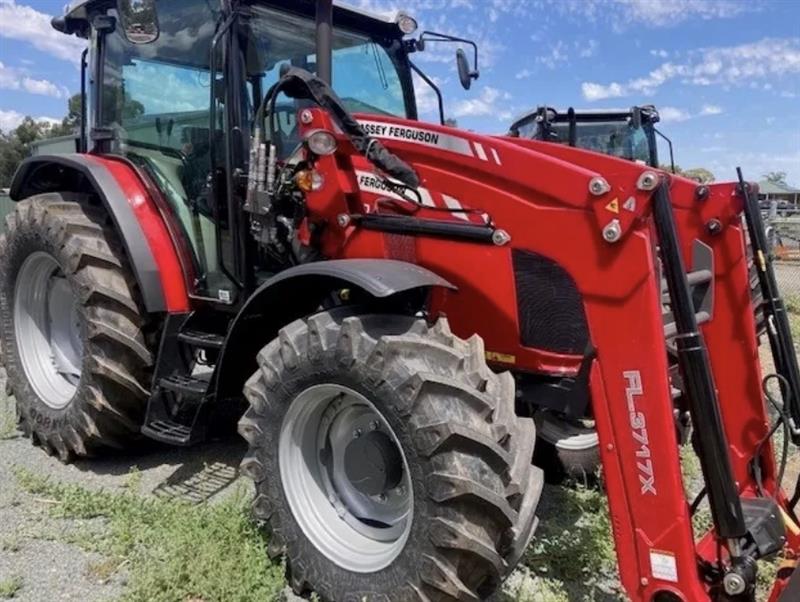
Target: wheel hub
column 373, row 464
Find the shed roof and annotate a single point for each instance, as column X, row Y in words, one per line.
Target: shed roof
column 767, row 187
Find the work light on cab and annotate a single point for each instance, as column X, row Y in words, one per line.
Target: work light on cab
column 406, row 23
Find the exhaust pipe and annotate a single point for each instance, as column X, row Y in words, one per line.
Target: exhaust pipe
column 324, row 40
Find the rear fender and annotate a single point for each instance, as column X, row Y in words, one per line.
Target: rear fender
column 300, row 291
column 148, row 244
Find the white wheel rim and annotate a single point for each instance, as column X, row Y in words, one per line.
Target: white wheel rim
column 47, row 330
column 360, row 533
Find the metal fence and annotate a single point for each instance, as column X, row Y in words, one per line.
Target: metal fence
column 783, row 232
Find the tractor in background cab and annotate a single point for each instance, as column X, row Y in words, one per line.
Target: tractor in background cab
column 258, row 229
column 627, row 134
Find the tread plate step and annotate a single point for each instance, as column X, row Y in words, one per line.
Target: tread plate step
column 186, row 385
column 203, row 340
column 168, row 431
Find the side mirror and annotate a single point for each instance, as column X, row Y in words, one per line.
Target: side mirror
column 139, row 20
column 465, row 74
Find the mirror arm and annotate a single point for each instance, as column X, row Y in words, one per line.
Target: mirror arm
column 434, row 36
column 436, row 89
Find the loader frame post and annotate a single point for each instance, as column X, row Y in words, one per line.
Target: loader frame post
column 324, row 40
column 779, row 331
column 712, row 445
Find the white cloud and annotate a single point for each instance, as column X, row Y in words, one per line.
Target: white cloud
column 732, row 65
column 9, row 120
column 25, row 24
column 592, row 91
column 554, row 56
column 589, row 50
column 660, row 53
column 673, row 114
column 486, row 103
column 523, row 74
column 16, row 79
column 621, row 14
column 710, row 110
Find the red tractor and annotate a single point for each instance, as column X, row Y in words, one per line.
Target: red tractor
column 393, row 300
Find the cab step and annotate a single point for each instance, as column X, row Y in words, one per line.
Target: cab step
column 170, row 432
column 184, row 385
column 202, row 340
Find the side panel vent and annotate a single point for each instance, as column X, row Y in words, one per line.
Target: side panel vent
column 549, row 306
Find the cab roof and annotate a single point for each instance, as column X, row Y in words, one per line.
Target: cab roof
column 74, row 20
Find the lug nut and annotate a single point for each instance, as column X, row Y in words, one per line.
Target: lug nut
column 647, row 181
column 500, row 237
column 598, row 186
column 613, row 231
column 306, row 117
column 343, row 220
column 357, row 433
column 374, row 425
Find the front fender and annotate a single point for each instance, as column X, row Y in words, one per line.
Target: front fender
column 300, row 291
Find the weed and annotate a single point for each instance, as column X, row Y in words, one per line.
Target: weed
column 10, row 544
column 8, row 417
column 171, row 550
column 9, row 587
column 574, row 544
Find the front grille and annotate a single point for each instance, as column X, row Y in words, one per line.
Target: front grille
column 549, row 305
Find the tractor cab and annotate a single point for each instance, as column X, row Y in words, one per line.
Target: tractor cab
column 174, row 90
column 628, row 134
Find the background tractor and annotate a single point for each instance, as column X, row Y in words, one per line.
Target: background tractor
column 258, row 228
column 627, row 134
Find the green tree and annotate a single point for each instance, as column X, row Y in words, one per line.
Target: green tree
column 699, row 174
column 776, row 177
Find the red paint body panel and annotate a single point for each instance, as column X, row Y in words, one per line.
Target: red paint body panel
column 539, row 194
column 155, row 231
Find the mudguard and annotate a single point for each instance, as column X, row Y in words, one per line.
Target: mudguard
column 150, row 249
column 300, row 291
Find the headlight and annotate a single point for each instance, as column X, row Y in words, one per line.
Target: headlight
column 321, row 142
column 407, row 24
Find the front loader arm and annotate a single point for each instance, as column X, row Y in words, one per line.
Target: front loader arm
column 559, row 203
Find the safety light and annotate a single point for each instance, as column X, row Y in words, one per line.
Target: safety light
column 309, row 180
column 407, row 24
column 321, row 142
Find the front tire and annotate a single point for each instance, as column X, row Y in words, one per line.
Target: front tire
column 75, row 352
column 470, row 489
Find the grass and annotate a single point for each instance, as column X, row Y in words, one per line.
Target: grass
column 574, row 545
column 9, row 587
column 169, row 550
column 8, row 418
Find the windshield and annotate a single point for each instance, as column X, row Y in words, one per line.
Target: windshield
column 615, row 138
column 369, row 74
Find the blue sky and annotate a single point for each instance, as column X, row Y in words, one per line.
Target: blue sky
column 724, row 73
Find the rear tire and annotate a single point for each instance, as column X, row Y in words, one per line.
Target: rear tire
column 467, row 457
column 62, row 242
